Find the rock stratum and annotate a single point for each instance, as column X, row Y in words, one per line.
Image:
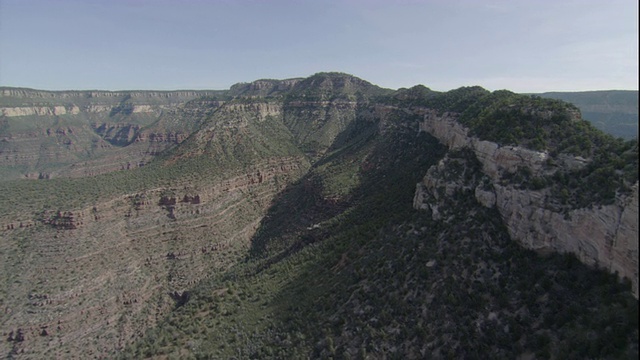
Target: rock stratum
column 604, row 236
column 108, row 271
column 46, row 134
column 122, row 211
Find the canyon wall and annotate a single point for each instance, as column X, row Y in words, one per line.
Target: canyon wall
column 605, row 236
column 45, row 134
column 100, row 275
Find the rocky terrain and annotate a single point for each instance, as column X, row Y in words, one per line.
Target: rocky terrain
column 46, row 134
column 606, row 236
column 107, row 272
column 281, row 219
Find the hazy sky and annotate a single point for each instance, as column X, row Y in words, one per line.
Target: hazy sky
column 524, row 46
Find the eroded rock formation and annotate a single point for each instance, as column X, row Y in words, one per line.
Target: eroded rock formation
column 113, row 269
column 93, row 132
column 604, row 236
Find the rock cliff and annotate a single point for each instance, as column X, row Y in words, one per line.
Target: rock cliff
column 109, row 271
column 605, row 236
column 311, row 176
column 80, row 133
column 25, row 96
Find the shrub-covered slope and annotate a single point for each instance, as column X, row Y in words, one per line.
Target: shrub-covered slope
column 364, row 275
column 284, row 226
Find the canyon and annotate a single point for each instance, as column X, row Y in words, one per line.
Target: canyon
column 82, row 133
column 122, row 210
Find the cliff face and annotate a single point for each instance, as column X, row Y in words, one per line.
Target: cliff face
column 257, row 174
column 39, row 110
column 265, row 87
column 79, row 133
column 26, row 97
column 109, row 271
column 605, row 236
column 114, row 266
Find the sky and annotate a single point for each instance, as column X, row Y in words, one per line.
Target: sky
column 519, row 45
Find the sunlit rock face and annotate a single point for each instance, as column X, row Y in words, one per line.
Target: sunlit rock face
column 605, row 236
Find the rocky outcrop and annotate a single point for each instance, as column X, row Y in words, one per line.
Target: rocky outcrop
column 117, row 134
column 113, row 269
column 64, row 220
column 39, row 110
column 124, row 134
column 191, row 199
column 258, row 109
column 604, row 236
column 495, row 159
column 264, row 87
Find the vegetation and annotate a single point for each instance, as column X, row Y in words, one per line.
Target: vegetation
column 612, row 172
column 341, row 265
column 331, row 86
column 614, row 112
column 375, row 278
column 556, row 128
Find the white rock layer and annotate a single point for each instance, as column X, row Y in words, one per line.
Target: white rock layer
column 606, row 236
